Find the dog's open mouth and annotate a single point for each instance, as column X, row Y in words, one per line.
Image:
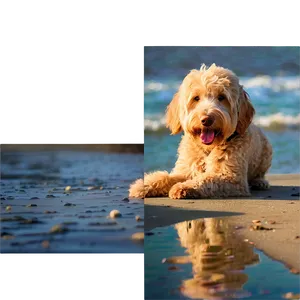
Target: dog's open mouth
column 207, row 135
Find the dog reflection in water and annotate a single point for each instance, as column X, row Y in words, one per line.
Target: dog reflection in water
column 218, row 257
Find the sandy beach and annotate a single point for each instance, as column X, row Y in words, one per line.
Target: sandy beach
column 277, row 208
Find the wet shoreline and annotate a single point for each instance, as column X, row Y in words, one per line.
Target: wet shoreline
column 280, row 204
column 62, row 202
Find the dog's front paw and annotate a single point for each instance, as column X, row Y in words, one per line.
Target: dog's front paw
column 137, row 189
column 181, row 191
column 259, row 184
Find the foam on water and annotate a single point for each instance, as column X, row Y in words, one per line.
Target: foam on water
column 277, row 121
column 274, row 83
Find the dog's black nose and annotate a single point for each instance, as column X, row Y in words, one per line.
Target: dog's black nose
column 207, row 121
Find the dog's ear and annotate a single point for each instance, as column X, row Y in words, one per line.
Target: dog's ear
column 172, row 115
column 246, row 112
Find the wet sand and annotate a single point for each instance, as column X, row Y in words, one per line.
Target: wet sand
column 71, row 223
column 280, row 204
column 59, row 202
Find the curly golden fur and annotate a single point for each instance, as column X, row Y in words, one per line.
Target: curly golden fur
column 221, row 152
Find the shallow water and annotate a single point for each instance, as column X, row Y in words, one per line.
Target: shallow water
column 99, row 183
column 208, row 259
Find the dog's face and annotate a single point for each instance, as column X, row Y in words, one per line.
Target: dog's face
column 210, row 106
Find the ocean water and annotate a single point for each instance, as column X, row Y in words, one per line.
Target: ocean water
column 269, row 74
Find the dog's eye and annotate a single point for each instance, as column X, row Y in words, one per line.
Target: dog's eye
column 197, row 98
column 221, row 98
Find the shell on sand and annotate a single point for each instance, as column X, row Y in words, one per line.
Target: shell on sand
column 115, row 214
column 138, row 236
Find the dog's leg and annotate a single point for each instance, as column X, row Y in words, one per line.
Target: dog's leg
column 258, row 182
column 156, row 184
column 227, row 178
column 209, row 187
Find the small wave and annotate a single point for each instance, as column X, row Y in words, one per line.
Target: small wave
column 276, row 84
column 155, row 124
column 153, row 86
column 156, row 86
column 278, row 121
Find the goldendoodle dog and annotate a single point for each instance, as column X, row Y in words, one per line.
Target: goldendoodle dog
column 221, row 152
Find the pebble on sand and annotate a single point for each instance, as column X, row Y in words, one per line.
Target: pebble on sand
column 115, row 214
column 58, row 229
column 256, row 221
column 45, row 244
column 295, row 194
column 259, row 227
column 138, row 236
column 7, row 236
column 138, row 218
column 69, row 204
column 149, row 233
column 90, row 188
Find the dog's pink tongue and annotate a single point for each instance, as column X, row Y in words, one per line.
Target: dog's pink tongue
column 207, row 136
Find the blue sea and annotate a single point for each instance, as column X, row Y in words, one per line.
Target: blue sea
column 269, row 74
